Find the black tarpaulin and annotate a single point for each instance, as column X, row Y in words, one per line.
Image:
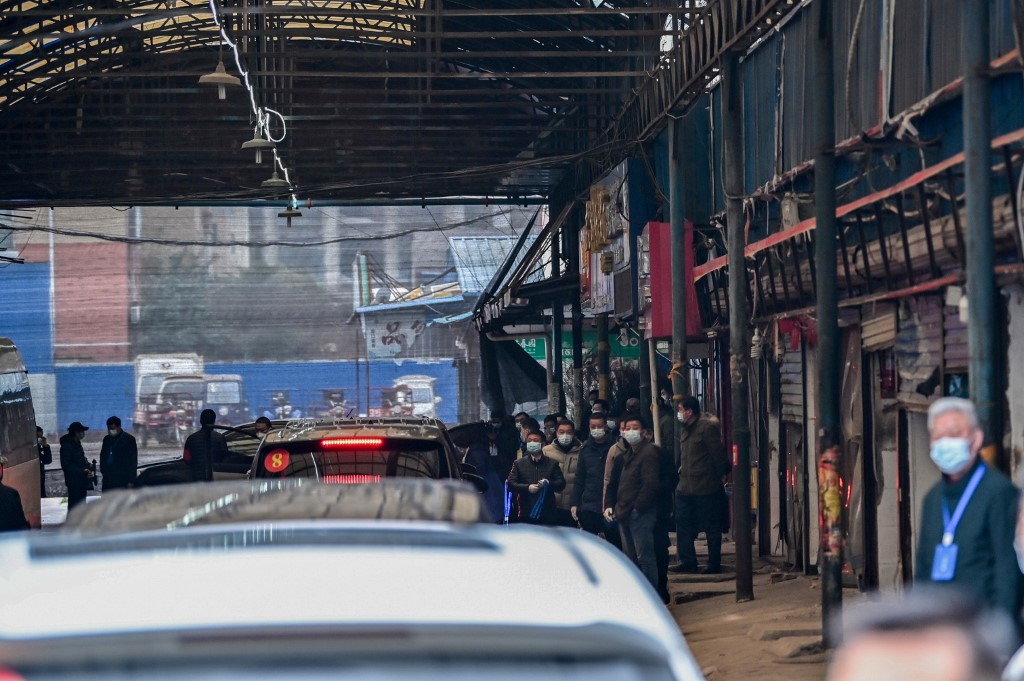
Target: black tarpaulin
column 510, row 376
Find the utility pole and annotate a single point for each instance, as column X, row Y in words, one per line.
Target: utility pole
column 739, row 321
column 603, row 358
column 829, row 454
column 556, row 394
column 677, row 225
column 577, row 330
column 982, row 297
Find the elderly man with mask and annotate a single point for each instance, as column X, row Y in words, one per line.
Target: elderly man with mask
column 967, row 520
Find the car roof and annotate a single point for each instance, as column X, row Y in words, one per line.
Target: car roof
column 410, row 427
column 401, row 580
column 217, row 503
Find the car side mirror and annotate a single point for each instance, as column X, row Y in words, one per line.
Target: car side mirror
column 469, row 468
column 437, row 399
column 477, row 481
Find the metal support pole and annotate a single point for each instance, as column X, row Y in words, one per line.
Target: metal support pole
column 556, row 394
column 652, row 370
column 680, row 384
column 577, row 335
column 982, row 339
column 604, row 351
column 739, row 322
column 647, row 409
column 678, row 373
column 829, row 454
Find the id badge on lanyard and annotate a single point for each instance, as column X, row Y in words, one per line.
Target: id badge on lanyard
column 944, row 563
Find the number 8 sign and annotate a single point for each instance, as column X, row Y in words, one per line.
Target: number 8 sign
column 277, row 460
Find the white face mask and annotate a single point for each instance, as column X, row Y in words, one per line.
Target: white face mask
column 632, row 436
column 681, row 417
column 598, row 433
column 565, row 440
column 113, row 432
column 533, row 447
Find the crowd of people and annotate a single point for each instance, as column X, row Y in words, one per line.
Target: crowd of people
column 612, row 480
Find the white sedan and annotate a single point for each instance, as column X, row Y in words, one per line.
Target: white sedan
column 231, row 582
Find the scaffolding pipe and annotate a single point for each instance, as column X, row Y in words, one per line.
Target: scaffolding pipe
column 739, row 322
column 677, row 374
column 982, row 343
column 829, row 454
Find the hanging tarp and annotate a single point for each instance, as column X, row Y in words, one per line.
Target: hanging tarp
column 918, row 351
column 510, row 375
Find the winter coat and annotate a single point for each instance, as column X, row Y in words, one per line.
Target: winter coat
column 73, row 462
column 12, row 515
column 986, row 563
column 119, row 460
column 634, row 483
column 568, row 461
column 614, row 452
column 702, row 458
column 204, row 448
column 526, row 472
column 588, row 489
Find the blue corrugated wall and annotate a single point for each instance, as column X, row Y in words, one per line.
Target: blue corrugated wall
column 91, row 393
column 25, row 313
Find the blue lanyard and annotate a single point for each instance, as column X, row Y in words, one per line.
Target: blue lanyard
column 508, row 502
column 965, row 498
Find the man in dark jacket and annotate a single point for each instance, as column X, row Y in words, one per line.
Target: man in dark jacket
column 700, row 494
column 503, row 442
column 205, row 447
column 668, row 477
column 588, row 491
column 12, row 515
column 77, row 471
column 119, row 457
column 633, row 494
column 966, row 536
column 536, row 478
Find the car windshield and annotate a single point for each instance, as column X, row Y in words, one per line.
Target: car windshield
column 364, row 460
column 194, row 389
column 150, row 385
column 422, row 395
column 223, row 392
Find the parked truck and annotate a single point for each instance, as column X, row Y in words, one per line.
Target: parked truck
column 149, row 416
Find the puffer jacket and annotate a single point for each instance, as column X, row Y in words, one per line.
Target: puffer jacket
column 525, row 472
column 567, row 459
column 634, row 483
column 702, row 458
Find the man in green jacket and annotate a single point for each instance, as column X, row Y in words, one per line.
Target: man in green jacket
column 700, row 493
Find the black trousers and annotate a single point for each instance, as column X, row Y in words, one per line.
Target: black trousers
column 662, row 526
column 696, row 513
column 594, row 523
column 76, row 494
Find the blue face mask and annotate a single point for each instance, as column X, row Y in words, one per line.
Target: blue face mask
column 533, row 447
column 951, row 454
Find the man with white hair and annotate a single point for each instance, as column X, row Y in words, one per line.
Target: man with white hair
column 967, row 521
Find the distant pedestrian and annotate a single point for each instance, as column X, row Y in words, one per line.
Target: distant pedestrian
column 12, row 514
column 45, row 459
column 503, row 441
column 263, row 426
column 968, row 518
column 700, row 494
column 205, row 447
column 535, row 479
column 588, row 489
column 77, row 471
column 566, row 451
column 487, row 456
column 119, row 457
column 633, row 494
column 550, row 428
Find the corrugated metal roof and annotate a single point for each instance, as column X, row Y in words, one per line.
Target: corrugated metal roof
column 476, row 259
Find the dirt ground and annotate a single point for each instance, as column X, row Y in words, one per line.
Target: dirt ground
column 775, row 637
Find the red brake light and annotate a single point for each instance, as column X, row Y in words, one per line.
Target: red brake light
column 352, row 443
column 350, row 479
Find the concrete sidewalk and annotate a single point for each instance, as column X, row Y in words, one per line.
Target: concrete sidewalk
column 777, row 636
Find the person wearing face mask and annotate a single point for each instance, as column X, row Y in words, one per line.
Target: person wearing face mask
column 588, row 491
column 77, row 472
column 566, row 451
column 45, row 459
column 967, row 519
column 700, row 499
column 632, row 496
column 119, row 457
column 535, row 479
column 550, row 428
